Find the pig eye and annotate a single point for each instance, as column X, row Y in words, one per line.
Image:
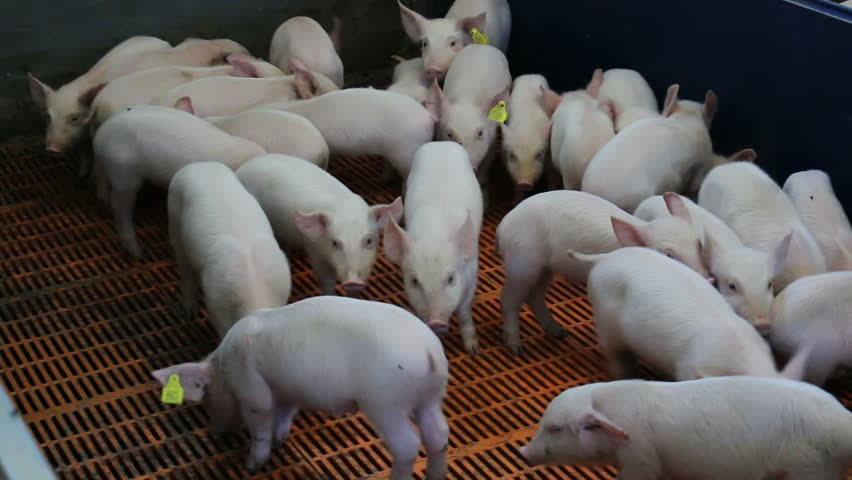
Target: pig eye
column 812, row 197
column 424, row 43
column 770, row 286
column 451, row 279
column 538, row 155
column 593, row 427
column 669, row 254
column 74, row 118
column 513, row 158
column 732, row 287
column 415, row 282
column 335, row 244
column 454, row 43
column 480, row 133
column 554, row 429
column 369, row 242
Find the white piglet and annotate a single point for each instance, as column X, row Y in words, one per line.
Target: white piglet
column 815, row 310
column 310, row 209
column 220, row 96
column 439, row 249
column 757, row 210
column 715, row 428
column 409, row 78
column 813, row 196
column 654, row 155
column 582, row 125
column 224, row 244
column 148, row 143
column 477, row 80
column 526, row 135
column 441, row 39
column 534, row 239
column 364, row 121
column 276, row 131
column 743, row 274
column 650, row 307
column 332, row 354
column 631, row 95
column 304, row 38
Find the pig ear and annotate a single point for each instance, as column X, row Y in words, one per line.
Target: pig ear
column 436, row 101
column 307, row 85
column 780, row 254
column 677, row 207
column 797, row 366
column 670, row 105
column 595, row 423
column 467, row 24
column 594, row 86
column 501, row 95
column 608, row 107
column 243, row 66
column 547, row 129
column 184, row 104
column 412, row 22
column 296, row 63
column 467, row 238
column 628, row 235
column 745, row 155
column 194, row 378
column 335, row 34
column 313, row 226
column 39, row 91
column 89, row 95
column 397, row 58
column 550, row 100
column 708, row 248
column 711, row 103
column 380, row 214
column 396, row 242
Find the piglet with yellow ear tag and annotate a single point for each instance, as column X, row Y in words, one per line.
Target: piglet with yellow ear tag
column 478, row 81
column 483, row 22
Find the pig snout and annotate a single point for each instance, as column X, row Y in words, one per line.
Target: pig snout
column 436, row 72
column 54, row 148
column 524, row 452
column 528, row 452
column 524, row 186
column 354, row 286
column 439, row 325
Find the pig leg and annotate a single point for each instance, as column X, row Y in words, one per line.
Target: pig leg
column 433, row 427
column 465, row 313
column 326, row 276
column 621, row 361
column 639, row 464
column 123, row 202
column 816, row 473
column 188, row 283
column 821, row 364
column 85, row 154
column 400, row 437
column 538, row 304
column 284, row 423
column 522, row 273
column 258, row 411
column 101, row 183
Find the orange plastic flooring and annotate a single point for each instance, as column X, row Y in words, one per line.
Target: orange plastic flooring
column 83, row 325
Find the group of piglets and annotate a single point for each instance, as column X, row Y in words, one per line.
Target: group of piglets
column 694, row 287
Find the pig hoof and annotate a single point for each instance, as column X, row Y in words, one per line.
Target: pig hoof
column 253, row 465
column 516, row 350
column 472, row 346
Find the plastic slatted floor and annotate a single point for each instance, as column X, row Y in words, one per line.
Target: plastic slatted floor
column 83, row 325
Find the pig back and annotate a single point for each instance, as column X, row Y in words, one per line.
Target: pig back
column 477, row 74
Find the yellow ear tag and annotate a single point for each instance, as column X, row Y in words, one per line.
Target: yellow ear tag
column 499, row 113
column 478, row 37
column 173, row 392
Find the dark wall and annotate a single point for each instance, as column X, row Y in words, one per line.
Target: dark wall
column 58, row 40
column 782, row 70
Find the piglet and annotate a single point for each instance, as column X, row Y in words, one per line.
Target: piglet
column 654, row 155
column 220, row 96
column 631, row 95
column 365, row 121
column 814, row 199
column 582, row 125
column 275, row 131
column 304, row 38
column 477, row 80
column 68, row 107
column 441, row 39
column 815, row 310
column 653, row 308
column 333, row 354
column 224, row 244
column 715, row 428
column 409, row 78
column 743, row 274
column 751, row 203
column 152, row 143
column 310, row 209
column 533, row 240
column 439, row 250
column 526, row 135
